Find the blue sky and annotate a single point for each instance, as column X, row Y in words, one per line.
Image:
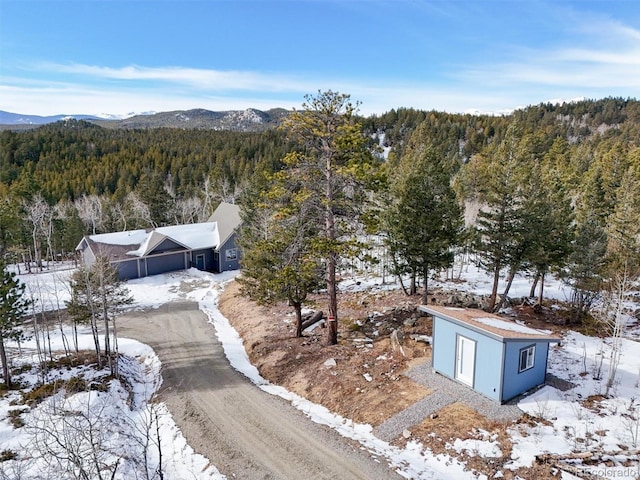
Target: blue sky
column 123, row 56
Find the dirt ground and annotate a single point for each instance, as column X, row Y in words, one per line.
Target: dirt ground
column 366, row 382
column 245, row 432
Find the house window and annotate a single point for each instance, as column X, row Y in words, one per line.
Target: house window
column 230, row 254
column 526, row 358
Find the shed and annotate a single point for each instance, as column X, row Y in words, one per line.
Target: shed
column 496, row 357
column 144, row 252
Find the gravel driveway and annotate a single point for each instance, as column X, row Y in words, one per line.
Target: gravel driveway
column 245, row 432
column 445, row 392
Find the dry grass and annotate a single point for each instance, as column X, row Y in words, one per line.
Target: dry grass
column 298, row 364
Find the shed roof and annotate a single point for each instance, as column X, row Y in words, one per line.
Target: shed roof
column 490, row 324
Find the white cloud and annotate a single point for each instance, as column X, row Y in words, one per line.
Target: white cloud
column 600, row 58
column 66, row 98
column 207, row 79
column 608, row 57
column 82, row 99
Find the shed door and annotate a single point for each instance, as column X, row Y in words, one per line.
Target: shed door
column 465, row 360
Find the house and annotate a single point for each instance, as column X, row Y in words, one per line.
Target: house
column 226, row 256
column 209, row 246
column 498, row 358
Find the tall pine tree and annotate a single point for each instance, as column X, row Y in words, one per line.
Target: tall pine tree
column 424, row 221
column 13, row 306
column 501, row 224
column 278, row 242
column 330, row 166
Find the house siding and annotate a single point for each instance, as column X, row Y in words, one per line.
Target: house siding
column 488, row 356
column 515, row 382
column 208, row 259
column 87, row 254
column 167, row 245
column 223, row 263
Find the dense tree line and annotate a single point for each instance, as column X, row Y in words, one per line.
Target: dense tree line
column 61, row 181
column 69, row 159
column 543, row 190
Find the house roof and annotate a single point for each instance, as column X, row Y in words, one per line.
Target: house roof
column 489, row 324
column 138, row 243
column 113, row 251
column 196, row 236
column 227, row 216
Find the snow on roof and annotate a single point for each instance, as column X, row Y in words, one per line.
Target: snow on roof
column 130, row 237
column 152, row 240
column 488, row 323
column 506, row 325
column 211, row 234
column 194, row 236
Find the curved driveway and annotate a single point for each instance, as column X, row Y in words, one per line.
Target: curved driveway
column 246, row 433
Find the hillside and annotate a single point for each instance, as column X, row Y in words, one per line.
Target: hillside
column 70, row 158
column 250, row 120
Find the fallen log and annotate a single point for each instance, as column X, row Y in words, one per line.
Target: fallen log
column 578, row 472
column 315, row 318
column 594, row 456
column 585, row 459
column 552, row 457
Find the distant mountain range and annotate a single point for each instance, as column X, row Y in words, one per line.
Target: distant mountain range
column 8, row 118
column 249, row 120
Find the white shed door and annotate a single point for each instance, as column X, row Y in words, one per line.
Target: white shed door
column 465, row 360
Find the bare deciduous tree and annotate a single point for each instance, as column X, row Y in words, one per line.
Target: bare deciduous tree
column 39, row 215
column 188, row 210
column 137, row 210
column 90, row 212
column 73, row 439
column 98, row 296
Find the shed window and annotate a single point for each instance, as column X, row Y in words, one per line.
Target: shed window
column 526, row 358
column 230, row 254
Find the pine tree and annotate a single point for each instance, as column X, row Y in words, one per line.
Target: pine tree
column 9, row 221
column 501, row 224
column 151, row 191
column 424, row 222
column 13, row 306
column 331, row 166
column 549, row 224
column 585, row 264
column 279, row 261
column 623, row 267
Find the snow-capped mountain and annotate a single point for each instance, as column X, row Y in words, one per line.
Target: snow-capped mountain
column 237, row 120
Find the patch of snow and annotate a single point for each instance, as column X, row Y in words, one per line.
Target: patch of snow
column 329, row 363
column 569, row 425
column 477, row 448
column 504, row 325
column 121, row 416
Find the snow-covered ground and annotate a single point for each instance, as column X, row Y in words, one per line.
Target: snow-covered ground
column 123, row 419
column 612, row 424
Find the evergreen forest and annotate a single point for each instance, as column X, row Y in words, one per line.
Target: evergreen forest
column 548, row 189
